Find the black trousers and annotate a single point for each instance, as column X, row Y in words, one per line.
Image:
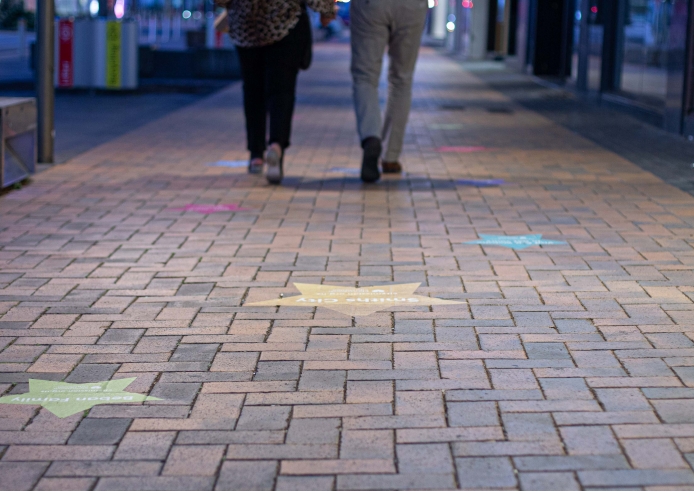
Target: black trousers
column 269, row 87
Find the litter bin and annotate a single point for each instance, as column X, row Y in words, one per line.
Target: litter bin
column 96, row 53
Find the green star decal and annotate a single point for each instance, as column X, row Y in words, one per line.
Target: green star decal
column 65, row 399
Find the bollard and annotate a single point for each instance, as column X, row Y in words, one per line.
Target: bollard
column 152, row 34
column 210, row 38
column 177, row 26
column 22, row 34
column 165, row 28
column 45, row 44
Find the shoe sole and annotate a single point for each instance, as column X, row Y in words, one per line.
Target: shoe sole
column 390, row 171
column 369, row 165
column 273, row 167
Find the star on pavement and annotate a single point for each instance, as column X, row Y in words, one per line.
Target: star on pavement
column 513, row 242
column 355, row 301
column 65, row 399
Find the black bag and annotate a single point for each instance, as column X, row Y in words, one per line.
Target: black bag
column 305, row 33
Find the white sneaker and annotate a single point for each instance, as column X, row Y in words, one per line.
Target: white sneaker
column 273, row 164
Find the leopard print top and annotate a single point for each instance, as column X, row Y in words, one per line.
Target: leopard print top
column 255, row 23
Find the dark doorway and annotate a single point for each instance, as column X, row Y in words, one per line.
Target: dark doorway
column 551, row 37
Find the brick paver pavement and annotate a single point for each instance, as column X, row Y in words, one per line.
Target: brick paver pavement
column 564, row 366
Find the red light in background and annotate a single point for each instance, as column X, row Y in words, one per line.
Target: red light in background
column 594, row 9
column 467, row 4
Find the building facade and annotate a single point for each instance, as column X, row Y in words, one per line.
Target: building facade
column 638, row 54
column 633, row 53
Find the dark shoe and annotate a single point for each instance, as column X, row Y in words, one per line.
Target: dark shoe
column 255, row 166
column 273, row 165
column 369, row 163
column 391, row 167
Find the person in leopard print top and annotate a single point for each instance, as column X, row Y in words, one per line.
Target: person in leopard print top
column 270, row 37
column 254, row 23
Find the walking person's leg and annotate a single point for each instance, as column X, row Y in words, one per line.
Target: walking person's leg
column 403, row 49
column 252, row 62
column 369, row 36
column 282, row 70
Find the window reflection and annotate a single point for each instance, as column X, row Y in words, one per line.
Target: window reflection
column 644, row 56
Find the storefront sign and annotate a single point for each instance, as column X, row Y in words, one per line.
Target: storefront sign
column 66, row 69
column 113, row 55
column 355, row 301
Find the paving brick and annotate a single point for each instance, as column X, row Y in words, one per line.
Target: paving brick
column 424, row 459
column 366, row 444
column 193, row 460
column 55, row 453
column 548, row 481
column 449, row 434
column 20, row 476
column 103, row 469
column 418, row 403
column 229, row 437
column 314, row 431
column 396, row 482
column 675, row 411
column 623, row 400
column 155, row 483
column 529, row 426
column 264, row 418
column 281, row 451
column 347, row 410
column 336, row 467
column 508, row 448
column 217, row 406
column 369, row 392
column 581, row 440
column 145, row 446
column 653, row 453
column 304, row 483
column 99, row 431
column 175, row 393
column 322, row 380
column 55, row 363
column 247, row 475
column 65, row 484
column 566, row 388
column 475, row 414
column 635, row 478
column 569, row 463
column 475, row 473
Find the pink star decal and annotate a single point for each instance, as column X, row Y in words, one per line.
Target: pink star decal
column 210, row 209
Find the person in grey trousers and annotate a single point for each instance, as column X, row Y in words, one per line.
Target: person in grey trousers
column 375, row 25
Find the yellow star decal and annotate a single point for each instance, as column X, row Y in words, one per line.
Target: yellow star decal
column 65, row 399
column 355, row 301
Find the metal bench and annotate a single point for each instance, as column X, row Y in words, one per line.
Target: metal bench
column 17, row 139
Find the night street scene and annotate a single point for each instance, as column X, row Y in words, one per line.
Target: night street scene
column 346, row 245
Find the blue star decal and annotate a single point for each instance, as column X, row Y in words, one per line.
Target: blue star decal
column 513, row 242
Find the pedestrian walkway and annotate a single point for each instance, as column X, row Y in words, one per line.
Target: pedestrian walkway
column 565, row 360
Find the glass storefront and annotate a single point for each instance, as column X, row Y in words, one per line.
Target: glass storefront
column 646, row 26
column 636, row 53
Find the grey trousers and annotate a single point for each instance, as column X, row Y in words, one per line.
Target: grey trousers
column 375, row 25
